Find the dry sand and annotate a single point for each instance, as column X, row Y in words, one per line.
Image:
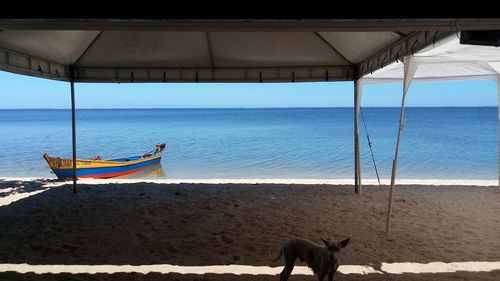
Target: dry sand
column 220, row 224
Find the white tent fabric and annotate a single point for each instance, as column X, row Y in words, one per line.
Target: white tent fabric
column 446, row 60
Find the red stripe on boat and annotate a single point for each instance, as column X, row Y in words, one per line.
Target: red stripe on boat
column 110, row 175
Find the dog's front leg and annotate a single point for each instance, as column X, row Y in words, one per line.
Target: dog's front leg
column 332, row 271
column 287, row 270
column 331, row 275
column 321, row 276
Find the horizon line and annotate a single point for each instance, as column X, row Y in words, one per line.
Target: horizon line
column 291, row 107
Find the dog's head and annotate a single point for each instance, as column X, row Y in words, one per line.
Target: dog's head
column 334, row 249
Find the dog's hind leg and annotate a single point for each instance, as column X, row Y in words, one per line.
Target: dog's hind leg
column 289, row 264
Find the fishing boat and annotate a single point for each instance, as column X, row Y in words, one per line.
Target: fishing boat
column 101, row 169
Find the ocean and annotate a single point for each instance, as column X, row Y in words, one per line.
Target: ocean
column 298, row 143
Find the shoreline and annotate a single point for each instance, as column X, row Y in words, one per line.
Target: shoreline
column 384, row 182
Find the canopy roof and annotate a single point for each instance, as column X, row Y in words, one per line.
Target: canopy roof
column 215, row 51
column 447, row 60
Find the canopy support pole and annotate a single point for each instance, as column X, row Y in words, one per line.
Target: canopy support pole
column 409, row 72
column 357, row 159
column 73, row 127
column 498, row 92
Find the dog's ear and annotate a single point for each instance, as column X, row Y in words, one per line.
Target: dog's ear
column 344, row 243
column 324, row 241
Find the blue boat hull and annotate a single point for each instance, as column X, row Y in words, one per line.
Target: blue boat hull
column 106, row 172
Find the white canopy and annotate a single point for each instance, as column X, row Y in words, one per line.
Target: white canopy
column 190, row 56
column 216, row 50
column 446, row 60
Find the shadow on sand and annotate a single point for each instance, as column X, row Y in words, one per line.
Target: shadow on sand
column 210, row 224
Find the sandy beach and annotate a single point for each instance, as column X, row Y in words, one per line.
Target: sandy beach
column 240, row 224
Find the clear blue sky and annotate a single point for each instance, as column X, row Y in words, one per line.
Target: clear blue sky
column 18, row 91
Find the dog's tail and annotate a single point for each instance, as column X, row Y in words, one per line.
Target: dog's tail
column 277, row 258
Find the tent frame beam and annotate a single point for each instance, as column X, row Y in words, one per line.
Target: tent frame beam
column 32, row 65
column 209, row 74
column 245, row 25
column 39, row 67
column 399, row 49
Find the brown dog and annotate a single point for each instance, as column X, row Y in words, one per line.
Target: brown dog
column 323, row 260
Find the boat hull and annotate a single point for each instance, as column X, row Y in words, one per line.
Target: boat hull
column 62, row 168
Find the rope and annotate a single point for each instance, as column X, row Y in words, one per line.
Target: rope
column 370, row 145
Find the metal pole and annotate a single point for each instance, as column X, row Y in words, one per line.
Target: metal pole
column 356, row 141
column 359, row 92
column 395, row 164
column 498, row 92
column 73, row 127
column 409, row 72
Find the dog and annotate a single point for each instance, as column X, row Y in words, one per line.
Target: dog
column 323, row 260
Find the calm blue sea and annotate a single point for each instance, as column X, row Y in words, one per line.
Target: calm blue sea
column 437, row 143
